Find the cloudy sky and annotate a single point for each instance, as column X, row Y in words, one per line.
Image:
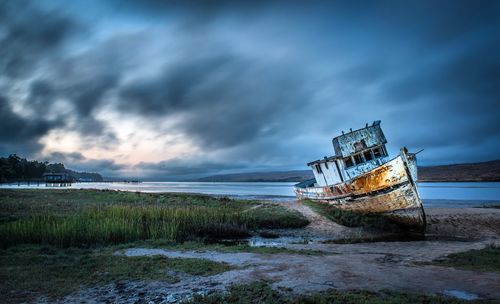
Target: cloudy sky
column 175, row 89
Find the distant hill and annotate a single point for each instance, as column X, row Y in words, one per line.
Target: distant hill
column 279, row 176
column 85, row 176
column 471, row 172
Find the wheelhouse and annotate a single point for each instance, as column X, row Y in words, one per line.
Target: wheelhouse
column 356, row 152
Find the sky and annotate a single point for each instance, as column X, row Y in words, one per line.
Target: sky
column 164, row 90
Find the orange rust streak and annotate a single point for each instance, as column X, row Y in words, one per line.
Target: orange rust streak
column 380, row 178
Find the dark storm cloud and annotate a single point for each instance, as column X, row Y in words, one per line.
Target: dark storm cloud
column 455, row 98
column 29, row 35
column 84, row 95
column 472, row 74
column 33, row 41
column 83, row 80
column 21, row 134
column 226, row 100
column 86, row 77
column 77, row 161
column 41, row 96
column 198, row 9
column 179, row 167
column 64, row 157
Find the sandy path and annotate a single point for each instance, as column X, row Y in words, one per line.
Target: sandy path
column 318, row 222
column 321, row 226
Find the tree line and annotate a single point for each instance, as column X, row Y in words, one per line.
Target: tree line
column 15, row 168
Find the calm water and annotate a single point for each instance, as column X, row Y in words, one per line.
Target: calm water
column 434, row 194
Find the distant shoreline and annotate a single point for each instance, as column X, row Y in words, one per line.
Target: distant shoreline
column 473, row 172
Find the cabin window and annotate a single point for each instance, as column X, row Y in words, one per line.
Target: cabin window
column 368, row 155
column 377, row 152
column 358, row 159
column 318, row 168
column 348, row 162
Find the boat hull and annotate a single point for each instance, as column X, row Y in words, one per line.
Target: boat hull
column 389, row 190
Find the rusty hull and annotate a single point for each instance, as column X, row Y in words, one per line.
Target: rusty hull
column 388, row 189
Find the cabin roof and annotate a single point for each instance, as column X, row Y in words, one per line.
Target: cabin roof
column 358, row 140
column 375, row 123
column 323, row 160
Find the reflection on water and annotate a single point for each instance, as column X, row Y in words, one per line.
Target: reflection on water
column 258, row 241
column 460, row 294
column 475, row 193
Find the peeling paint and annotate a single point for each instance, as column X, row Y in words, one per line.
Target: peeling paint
column 375, row 186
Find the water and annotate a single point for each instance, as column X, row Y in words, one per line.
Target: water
column 460, row 191
column 460, row 294
column 433, row 194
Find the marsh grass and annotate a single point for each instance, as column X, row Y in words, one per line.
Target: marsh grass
column 274, row 216
column 119, row 224
column 486, row 259
column 28, row 271
column 22, row 203
column 83, row 218
column 261, row 292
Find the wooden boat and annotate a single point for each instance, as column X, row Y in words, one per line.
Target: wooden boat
column 361, row 178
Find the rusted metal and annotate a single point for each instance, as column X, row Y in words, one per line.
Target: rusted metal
column 388, row 188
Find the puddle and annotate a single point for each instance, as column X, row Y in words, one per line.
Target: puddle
column 258, row 241
column 460, row 294
column 284, row 237
column 227, row 242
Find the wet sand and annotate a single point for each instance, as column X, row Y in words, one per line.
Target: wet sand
column 373, row 266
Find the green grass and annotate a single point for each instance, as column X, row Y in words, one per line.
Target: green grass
column 21, row 203
column 261, row 293
column 121, row 224
column 85, row 218
column 274, row 216
column 351, row 219
column 29, row 271
column 486, row 259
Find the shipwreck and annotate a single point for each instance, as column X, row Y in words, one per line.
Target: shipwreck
column 362, row 178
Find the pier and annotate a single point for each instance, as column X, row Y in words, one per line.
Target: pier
column 57, row 180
